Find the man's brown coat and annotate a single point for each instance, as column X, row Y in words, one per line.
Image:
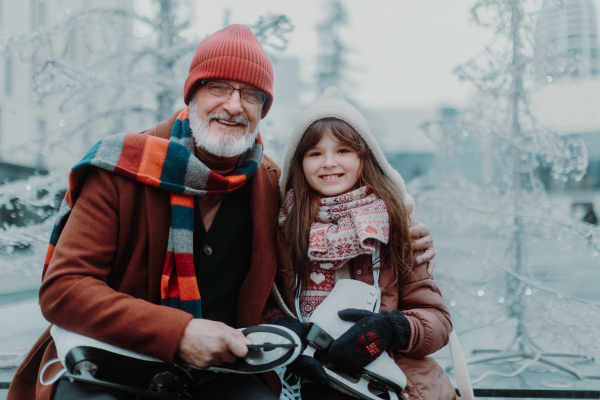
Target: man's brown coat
column 104, row 278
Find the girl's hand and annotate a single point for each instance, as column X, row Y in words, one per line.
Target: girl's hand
column 422, row 244
column 371, row 335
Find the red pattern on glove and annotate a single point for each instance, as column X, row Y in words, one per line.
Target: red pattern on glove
column 372, row 346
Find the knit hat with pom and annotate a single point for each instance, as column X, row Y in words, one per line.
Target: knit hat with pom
column 233, row 53
column 332, row 104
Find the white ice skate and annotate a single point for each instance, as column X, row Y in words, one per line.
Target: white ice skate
column 382, row 374
column 91, row 361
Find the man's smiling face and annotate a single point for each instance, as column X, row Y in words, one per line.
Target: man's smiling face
column 230, row 119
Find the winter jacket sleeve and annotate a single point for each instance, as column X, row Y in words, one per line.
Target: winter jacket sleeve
column 84, row 291
column 421, row 302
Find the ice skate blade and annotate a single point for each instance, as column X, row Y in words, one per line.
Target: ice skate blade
column 272, row 346
column 104, row 368
column 155, row 393
column 360, row 388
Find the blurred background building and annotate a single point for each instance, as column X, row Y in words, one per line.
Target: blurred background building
column 565, row 100
column 569, row 101
column 570, row 28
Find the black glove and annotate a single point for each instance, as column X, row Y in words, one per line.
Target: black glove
column 372, row 334
column 303, row 366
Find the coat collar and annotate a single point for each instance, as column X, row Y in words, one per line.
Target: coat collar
column 264, row 206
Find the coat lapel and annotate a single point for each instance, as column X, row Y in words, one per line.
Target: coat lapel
column 264, row 206
column 159, row 222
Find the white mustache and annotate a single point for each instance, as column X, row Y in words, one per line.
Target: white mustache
column 238, row 119
column 226, row 145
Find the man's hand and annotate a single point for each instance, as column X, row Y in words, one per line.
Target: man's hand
column 422, row 244
column 207, row 343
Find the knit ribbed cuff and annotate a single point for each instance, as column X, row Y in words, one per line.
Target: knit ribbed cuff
column 401, row 328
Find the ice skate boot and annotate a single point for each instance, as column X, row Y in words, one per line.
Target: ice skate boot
column 382, row 375
column 91, row 361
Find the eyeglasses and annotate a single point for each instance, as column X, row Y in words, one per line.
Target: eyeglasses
column 223, row 91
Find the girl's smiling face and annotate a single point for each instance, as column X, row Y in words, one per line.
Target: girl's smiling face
column 331, row 168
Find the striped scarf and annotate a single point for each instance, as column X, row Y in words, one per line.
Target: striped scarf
column 172, row 166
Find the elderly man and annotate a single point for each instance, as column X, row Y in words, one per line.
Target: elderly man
column 195, row 192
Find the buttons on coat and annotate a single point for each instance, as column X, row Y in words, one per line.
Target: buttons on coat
column 373, row 297
column 207, row 250
column 359, row 271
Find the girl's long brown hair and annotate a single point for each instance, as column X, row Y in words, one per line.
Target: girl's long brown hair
column 397, row 253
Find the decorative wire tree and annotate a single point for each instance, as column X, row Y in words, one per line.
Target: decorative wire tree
column 514, row 201
column 125, row 83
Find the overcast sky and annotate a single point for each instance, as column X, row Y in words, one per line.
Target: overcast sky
column 402, row 51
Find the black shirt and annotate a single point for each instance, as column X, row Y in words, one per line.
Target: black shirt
column 222, row 256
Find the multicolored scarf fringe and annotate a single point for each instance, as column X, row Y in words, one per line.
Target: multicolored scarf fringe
column 172, row 166
column 347, row 226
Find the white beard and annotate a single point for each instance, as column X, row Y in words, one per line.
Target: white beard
column 225, row 145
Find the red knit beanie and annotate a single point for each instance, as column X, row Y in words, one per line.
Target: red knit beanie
column 233, row 53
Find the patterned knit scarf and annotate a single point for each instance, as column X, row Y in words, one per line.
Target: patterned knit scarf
column 172, row 166
column 347, row 225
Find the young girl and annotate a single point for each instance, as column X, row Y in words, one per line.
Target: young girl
column 345, row 215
